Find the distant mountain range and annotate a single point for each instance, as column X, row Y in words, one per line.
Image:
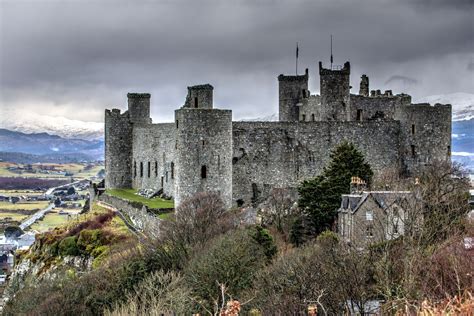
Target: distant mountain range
column 47, row 148
column 26, row 122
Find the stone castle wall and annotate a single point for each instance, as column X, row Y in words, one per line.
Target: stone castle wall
column 154, row 151
column 204, row 153
column 282, row 154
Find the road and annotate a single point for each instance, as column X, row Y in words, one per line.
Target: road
column 51, row 190
column 36, row 216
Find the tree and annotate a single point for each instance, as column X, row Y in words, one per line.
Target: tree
column 321, row 196
column 71, row 191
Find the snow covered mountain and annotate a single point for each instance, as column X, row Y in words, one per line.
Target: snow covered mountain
column 463, row 104
column 27, row 122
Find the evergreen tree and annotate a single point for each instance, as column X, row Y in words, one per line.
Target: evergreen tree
column 321, row 197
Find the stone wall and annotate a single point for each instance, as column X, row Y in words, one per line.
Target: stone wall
column 141, row 218
column 279, row 154
column 425, row 135
column 154, row 157
column 335, row 93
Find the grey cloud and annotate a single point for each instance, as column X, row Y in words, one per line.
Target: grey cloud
column 70, row 52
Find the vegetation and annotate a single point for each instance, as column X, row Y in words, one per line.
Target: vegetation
column 130, row 195
column 321, row 197
column 206, row 261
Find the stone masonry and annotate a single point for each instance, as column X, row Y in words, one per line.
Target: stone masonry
column 204, row 150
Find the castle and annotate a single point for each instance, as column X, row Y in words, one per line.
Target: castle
column 204, row 150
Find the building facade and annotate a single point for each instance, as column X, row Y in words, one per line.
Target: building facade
column 204, row 150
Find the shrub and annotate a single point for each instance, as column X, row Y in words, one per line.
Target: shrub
column 68, row 246
column 231, row 259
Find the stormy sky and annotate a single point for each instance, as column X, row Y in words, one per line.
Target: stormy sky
column 76, row 58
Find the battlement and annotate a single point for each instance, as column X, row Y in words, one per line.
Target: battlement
column 138, row 95
column 345, row 70
column 298, row 78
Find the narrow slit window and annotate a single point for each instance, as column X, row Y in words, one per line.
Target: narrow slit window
column 149, row 169
column 195, row 102
column 172, row 170
column 359, row 115
column 413, row 129
column 413, row 150
column 312, row 117
column 134, row 169
column 304, row 118
column 449, row 150
column 304, row 93
column 141, row 169
column 177, row 123
column 156, row 168
column 203, row 172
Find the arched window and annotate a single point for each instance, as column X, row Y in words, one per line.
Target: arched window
column 141, row 169
column 203, row 172
column 172, row 170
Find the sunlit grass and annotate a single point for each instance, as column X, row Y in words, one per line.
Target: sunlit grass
column 129, row 194
column 27, row 206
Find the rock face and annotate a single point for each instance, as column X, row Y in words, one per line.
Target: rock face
column 203, row 150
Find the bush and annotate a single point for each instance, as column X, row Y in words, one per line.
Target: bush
column 232, row 260
column 265, row 240
column 68, row 247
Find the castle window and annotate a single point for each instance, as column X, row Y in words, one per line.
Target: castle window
column 413, row 151
column 304, row 93
column 177, row 123
column 195, row 102
column 156, row 168
column 449, row 150
column 162, row 181
column 166, row 176
column 141, row 169
column 359, row 115
column 172, row 170
column 312, row 117
column 304, row 118
column 134, row 169
column 203, row 172
column 203, row 143
column 149, row 169
column 413, row 129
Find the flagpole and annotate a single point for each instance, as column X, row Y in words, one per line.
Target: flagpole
column 297, row 58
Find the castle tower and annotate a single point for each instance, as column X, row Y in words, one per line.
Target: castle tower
column 203, row 148
column 118, row 149
column 335, row 92
column 292, row 90
column 199, row 97
column 364, row 86
column 139, row 108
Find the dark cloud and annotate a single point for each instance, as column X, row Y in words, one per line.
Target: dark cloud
column 89, row 54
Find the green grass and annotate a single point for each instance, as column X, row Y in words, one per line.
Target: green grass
column 50, row 221
column 129, row 194
column 17, row 217
column 27, row 206
column 165, row 216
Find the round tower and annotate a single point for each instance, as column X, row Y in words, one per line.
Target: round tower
column 335, row 92
column 118, row 150
column 291, row 91
column 203, row 153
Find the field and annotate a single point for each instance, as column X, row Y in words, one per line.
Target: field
column 52, row 220
column 15, row 217
column 26, row 206
column 50, row 170
column 129, row 194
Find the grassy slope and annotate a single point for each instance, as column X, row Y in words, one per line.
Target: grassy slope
column 129, row 194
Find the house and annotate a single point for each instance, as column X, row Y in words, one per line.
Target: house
column 368, row 217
